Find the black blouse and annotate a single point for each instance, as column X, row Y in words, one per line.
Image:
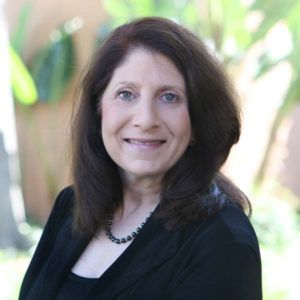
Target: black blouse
column 75, row 287
column 216, row 259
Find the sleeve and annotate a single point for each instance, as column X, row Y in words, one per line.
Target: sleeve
column 45, row 244
column 233, row 272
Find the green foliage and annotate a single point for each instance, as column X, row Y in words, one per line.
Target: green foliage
column 220, row 22
column 18, row 36
column 23, row 86
column 276, row 224
column 53, row 66
column 121, row 12
column 273, row 11
column 124, row 11
column 13, row 265
column 265, row 63
column 225, row 23
column 286, row 13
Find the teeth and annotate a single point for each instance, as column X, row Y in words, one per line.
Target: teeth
column 137, row 142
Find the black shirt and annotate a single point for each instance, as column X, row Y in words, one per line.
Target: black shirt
column 214, row 259
column 75, row 287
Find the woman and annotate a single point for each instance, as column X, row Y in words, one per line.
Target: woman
column 149, row 215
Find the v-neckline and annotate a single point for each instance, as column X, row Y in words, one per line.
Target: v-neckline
column 135, row 261
column 124, row 258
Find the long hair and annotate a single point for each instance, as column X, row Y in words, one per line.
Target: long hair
column 215, row 119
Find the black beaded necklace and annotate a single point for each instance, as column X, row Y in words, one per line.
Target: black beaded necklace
column 128, row 237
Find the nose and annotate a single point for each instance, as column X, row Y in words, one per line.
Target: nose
column 146, row 116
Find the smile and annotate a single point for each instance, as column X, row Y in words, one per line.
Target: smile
column 144, row 141
column 144, row 144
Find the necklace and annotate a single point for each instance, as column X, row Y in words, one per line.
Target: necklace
column 128, row 237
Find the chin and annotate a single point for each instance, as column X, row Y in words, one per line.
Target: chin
column 145, row 173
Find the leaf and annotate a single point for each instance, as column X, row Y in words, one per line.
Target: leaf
column 266, row 63
column 23, row 85
column 118, row 10
column 18, row 36
column 273, row 13
column 124, row 11
column 189, row 15
column 292, row 96
column 53, row 66
column 143, row 8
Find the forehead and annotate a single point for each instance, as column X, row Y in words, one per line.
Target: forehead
column 140, row 64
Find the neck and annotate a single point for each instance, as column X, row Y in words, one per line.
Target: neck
column 139, row 194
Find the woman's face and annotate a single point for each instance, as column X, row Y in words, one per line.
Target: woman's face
column 145, row 120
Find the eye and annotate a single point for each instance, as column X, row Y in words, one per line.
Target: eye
column 169, row 97
column 125, row 95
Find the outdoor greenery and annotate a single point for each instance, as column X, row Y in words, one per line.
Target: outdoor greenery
column 45, row 78
column 13, row 264
column 23, row 85
column 12, row 268
column 227, row 26
column 51, row 68
column 277, row 224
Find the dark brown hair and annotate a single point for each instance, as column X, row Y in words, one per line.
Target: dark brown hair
column 215, row 121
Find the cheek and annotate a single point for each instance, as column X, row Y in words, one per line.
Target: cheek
column 182, row 124
column 108, row 117
column 107, row 123
column 105, row 112
column 113, row 119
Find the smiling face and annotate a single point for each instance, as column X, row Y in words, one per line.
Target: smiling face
column 145, row 120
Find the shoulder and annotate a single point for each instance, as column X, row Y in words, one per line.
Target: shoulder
column 61, row 211
column 230, row 226
column 64, row 201
column 222, row 254
column 232, row 223
column 221, row 258
column 58, row 217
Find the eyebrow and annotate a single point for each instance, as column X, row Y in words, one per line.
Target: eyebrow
column 163, row 87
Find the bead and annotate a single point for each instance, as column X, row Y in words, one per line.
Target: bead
column 129, row 237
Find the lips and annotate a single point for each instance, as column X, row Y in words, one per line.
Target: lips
column 144, row 142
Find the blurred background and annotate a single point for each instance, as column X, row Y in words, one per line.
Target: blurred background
column 45, row 46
